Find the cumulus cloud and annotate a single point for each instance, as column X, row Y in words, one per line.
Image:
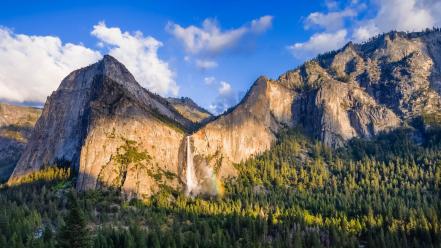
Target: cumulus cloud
column 262, row 24
column 331, row 21
column 31, row 67
column 205, row 64
column 139, row 54
column 351, row 22
column 225, row 88
column 319, row 43
column 210, row 38
column 364, row 32
column 225, row 99
column 405, row 15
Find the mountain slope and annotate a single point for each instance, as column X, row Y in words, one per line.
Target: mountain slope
column 16, row 123
column 358, row 91
column 190, row 109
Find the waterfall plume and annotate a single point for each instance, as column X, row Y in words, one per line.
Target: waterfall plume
column 192, row 184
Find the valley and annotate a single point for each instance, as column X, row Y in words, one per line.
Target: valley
column 342, row 151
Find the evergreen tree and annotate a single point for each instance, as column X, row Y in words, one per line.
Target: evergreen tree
column 298, row 240
column 74, row 234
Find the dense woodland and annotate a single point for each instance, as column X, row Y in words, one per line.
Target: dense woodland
column 379, row 193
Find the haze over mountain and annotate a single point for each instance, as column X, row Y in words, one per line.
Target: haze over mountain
column 100, row 111
column 190, row 110
column 16, row 124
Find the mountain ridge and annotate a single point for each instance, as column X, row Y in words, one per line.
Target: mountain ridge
column 189, row 109
column 16, row 124
column 358, row 91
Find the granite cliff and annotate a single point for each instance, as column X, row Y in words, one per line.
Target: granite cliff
column 109, row 129
column 115, row 133
column 355, row 92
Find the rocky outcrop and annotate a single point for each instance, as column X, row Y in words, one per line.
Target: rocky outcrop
column 364, row 89
column 16, row 123
column 336, row 112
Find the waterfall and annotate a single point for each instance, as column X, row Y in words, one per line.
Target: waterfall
column 192, row 184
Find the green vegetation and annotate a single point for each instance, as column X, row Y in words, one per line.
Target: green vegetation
column 379, row 193
column 74, row 233
column 433, row 120
column 128, row 154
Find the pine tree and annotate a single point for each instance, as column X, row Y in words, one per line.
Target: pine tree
column 48, row 237
column 74, row 234
column 298, row 240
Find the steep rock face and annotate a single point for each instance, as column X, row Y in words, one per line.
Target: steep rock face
column 364, row 89
column 16, row 123
column 336, row 112
column 116, row 120
column 248, row 129
column 90, row 117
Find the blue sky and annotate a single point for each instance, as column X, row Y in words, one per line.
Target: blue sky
column 211, row 51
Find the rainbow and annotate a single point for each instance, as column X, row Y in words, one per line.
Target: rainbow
column 217, row 185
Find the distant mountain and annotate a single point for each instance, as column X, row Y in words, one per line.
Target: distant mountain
column 190, row 110
column 16, row 124
column 115, row 133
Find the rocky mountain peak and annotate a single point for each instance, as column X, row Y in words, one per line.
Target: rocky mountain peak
column 108, row 66
column 111, row 67
column 102, row 93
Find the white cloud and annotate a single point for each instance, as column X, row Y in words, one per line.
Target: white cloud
column 331, row 21
column 208, row 38
column 331, row 4
column 401, row 15
column 406, row 15
column 211, row 39
column 209, row 80
column 139, row 55
column 31, row 67
column 225, row 88
column 205, row 64
column 319, row 43
column 262, row 24
column 365, row 31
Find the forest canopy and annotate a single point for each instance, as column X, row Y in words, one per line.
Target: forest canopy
column 379, row 193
